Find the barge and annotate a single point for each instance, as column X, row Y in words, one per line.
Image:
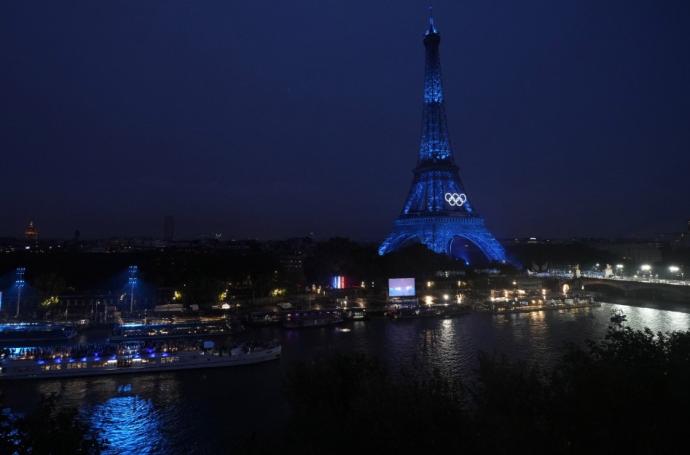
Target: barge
column 300, row 319
column 528, row 306
column 127, row 358
column 33, row 332
column 355, row 314
column 169, row 329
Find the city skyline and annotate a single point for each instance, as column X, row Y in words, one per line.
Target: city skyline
column 271, row 120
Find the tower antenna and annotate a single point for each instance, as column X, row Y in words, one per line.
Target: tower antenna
column 432, row 26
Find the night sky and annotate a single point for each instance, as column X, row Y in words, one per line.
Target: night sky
column 279, row 118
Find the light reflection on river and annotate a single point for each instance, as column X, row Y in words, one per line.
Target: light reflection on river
column 213, row 410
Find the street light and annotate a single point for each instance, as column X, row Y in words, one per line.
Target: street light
column 133, row 271
column 619, row 270
column 19, row 282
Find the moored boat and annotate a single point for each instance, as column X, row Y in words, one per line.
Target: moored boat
column 505, row 306
column 31, row 332
column 263, row 318
column 162, row 329
column 355, row 313
column 300, row 319
column 129, row 357
column 403, row 311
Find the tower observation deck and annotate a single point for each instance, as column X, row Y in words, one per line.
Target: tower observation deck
column 438, row 211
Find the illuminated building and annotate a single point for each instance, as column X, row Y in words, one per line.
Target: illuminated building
column 438, row 211
column 31, row 232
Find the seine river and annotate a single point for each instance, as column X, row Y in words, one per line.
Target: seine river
column 210, row 411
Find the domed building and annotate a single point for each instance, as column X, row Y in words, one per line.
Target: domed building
column 31, row 232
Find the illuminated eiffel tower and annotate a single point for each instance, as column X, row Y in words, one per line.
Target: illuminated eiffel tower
column 438, row 211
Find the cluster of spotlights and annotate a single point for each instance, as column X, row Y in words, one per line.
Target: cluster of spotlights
column 648, row 268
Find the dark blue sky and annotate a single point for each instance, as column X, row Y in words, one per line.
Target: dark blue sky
column 280, row 118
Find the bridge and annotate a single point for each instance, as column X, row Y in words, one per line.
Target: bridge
column 642, row 287
column 614, row 278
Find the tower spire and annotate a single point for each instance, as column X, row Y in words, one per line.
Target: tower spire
column 435, row 143
column 432, row 26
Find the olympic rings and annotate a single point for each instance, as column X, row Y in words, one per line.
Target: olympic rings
column 456, row 199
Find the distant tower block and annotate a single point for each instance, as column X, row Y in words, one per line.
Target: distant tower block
column 438, row 210
column 31, row 232
column 169, row 228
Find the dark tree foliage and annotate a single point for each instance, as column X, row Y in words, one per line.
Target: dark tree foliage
column 9, row 435
column 86, row 271
column 677, row 253
column 48, row 430
column 626, row 393
column 48, row 284
column 417, row 259
column 561, row 253
column 354, row 396
column 340, row 256
column 204, row 274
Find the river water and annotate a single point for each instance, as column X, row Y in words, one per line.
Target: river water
column 211, row 411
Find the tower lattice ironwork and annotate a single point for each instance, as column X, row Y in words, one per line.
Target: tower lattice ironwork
column 437, row 210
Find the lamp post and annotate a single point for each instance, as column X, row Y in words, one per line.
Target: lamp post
column 19, row 282
column 646, row 270
column 133, row 270
column 619, row 269
column 676, row 272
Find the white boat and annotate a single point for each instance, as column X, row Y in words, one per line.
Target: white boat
column 129, row 358
column 169, row 329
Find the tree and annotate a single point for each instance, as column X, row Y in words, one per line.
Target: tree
column 625, row 393
column 48, row 430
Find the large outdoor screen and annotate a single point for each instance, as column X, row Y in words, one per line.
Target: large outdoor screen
column 401, row 287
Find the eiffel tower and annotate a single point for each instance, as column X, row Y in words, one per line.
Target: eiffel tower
column 438, row 211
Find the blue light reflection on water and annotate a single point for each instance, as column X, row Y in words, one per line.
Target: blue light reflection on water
column 211, row 411
column 130, row 424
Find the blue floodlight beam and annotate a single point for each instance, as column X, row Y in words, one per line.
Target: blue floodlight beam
column 20, row 283
column 133, row 270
